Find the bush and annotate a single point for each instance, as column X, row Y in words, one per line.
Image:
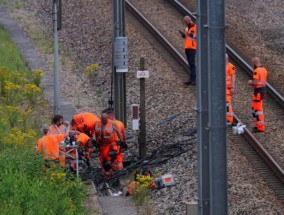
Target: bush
column 26, row 187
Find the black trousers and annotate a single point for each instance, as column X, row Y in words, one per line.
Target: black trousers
column 190, row 54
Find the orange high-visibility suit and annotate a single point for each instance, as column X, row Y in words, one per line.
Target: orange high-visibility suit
column 83, row 139
column 259, row 74
column 119, row 159
column 85, row 122
column 54, row 129
column 105, row 136
column 230, row 72
column 49, row 147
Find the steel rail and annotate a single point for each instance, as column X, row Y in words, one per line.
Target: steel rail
column 234, row 56
column 175, row 53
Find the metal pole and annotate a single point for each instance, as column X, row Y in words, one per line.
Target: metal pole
column 217, row 108
column 119, row 78
column 203, row 101
column 142, row 130
column 56, row 108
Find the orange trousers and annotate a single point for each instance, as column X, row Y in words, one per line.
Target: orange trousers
column 257, row 109
column 229, row 114
column 104, row 156
column 258, row 115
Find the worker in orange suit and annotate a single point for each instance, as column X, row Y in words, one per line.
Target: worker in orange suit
column 190, row 45
column 259, row 84
column 86, row 143
column 49, row 145
column 230, row 88
column 57, row 126
column 105, row 130
column 120, row 143
column 84, row 122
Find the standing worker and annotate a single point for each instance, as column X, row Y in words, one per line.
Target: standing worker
column 49, row 145
column 190, row 47
column 84, row 122
column 105, row 130
column 259, row 84
column 57, row 126
column 230, row 87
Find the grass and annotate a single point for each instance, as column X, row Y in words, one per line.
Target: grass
column 9, row 54
column 27, row 187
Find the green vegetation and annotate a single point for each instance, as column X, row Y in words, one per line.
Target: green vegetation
column 25, row 186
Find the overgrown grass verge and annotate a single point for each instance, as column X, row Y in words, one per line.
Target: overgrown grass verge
column 25, row 186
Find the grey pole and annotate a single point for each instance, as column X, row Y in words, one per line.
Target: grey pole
column 217, row 108
column 119, row 78
column 142, row 130
column 56, row 108
column 203, row 102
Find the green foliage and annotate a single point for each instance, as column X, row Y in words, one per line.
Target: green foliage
column 141, row 194
column 142, row 189
column 26, row 187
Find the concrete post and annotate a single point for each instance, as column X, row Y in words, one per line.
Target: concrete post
column 217, row 108
column 56, row 108
column 203, row 102
column 119, row 78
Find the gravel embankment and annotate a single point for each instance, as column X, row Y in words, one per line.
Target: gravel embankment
column 87, row 38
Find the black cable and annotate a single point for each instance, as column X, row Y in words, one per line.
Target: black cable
column 157, row 157
column 110, row 101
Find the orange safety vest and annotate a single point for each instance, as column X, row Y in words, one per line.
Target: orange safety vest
column 54, row 129
column 230, row 70
column 190, row 42
column 49, row 146
column 121, row 129
column 85, row 119
column 105, row 134
column 83, row 139
column 260, row 74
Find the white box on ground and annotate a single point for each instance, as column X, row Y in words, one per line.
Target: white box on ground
column 168, row 180
column 142, row 74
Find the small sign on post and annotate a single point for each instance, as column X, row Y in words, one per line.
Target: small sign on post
column 142, row 74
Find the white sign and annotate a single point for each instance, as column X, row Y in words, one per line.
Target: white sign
column 142, row 74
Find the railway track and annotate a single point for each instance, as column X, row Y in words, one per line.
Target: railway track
column 248, row 143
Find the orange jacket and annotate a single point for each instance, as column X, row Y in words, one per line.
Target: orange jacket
column 49, row 146
column 83, row 139
column 190, row 41
column 105, row 136
column 230, row 71
column 260, row 74
column 53, row 129
column 85, row 120
column 121, row 129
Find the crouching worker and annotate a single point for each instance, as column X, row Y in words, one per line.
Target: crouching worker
column 49, row 145
column 86, row 145
column 105, row 131
column 84, row 122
